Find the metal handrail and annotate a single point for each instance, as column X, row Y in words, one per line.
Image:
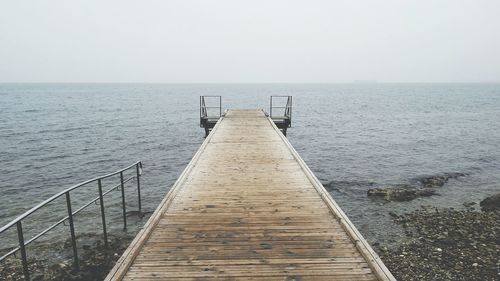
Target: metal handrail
column 63, row 220
column 18, row 221
column 204, row 107
column 288, row 108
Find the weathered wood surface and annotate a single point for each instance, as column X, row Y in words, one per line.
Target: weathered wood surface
column 248, row 208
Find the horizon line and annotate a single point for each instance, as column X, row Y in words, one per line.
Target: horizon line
column 359, row 82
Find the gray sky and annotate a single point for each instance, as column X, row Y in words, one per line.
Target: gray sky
column 249, row 41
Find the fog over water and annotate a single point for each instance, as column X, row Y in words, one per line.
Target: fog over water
column 249, row 41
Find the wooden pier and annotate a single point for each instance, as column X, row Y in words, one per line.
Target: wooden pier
column 248, row 208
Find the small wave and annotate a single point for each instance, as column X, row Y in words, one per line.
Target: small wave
column 62, row 130
column 100, row 161
column 53, row 157
column 487, row 159
column 14, row 133
column 339, row 185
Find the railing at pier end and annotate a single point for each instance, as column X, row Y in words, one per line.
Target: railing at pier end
column 282, row 119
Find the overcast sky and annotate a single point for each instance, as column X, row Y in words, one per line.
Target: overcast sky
column 249, row 41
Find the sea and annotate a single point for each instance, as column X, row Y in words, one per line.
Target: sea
column 353, row 136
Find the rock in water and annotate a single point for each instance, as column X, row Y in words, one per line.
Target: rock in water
column 491, row 203
column 438, row 180
column 434, row 181
column 400, row 192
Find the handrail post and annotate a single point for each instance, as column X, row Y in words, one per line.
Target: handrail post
column 22, row 247
column 271, row 107
column 103, row 216
column 123, row 202
column 72, row 230
column 139, row 186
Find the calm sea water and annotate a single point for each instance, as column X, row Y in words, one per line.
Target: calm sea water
column 353, row 136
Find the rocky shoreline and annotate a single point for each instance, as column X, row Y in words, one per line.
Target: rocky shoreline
column 446, row 244
column 95, row 261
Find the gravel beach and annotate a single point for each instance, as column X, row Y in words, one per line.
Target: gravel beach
column 446, row 244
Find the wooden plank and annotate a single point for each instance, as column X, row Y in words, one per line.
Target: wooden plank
column 248, row 208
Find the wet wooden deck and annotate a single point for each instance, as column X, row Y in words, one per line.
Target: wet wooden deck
column 247, row 207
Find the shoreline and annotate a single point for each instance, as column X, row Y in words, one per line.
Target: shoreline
column 445, row 244
column 95, row 260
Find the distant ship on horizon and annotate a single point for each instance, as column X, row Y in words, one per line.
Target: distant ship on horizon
column 365, row 81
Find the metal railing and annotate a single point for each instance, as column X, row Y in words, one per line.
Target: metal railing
column 287, row 114
column 208, row 120
column 66, row 193
column 204, row 109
